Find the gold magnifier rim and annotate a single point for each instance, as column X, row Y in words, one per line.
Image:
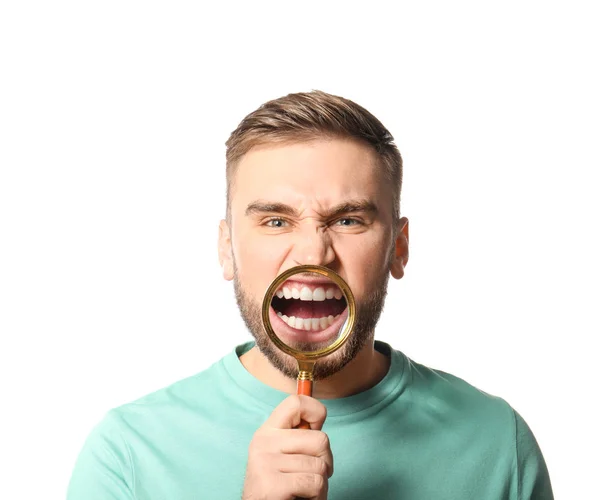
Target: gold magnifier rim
column 346, row 329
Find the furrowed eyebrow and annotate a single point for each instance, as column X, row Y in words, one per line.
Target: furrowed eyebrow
column 349, row 207
column 262, row 207
column 361, row 206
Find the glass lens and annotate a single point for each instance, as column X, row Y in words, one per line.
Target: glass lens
column 307, row 310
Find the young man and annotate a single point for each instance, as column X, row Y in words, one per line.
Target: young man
column 313, row 179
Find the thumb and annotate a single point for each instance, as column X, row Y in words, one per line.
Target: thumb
column 296, row 408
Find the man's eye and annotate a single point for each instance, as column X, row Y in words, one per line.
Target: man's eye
column 347, row 222
column 276, row 223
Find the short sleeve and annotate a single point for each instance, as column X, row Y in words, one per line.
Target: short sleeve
column 533, row 477
column 103, row 468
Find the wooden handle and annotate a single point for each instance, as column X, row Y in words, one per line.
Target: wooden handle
column 304, row 388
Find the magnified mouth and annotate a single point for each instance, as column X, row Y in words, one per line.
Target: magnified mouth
column 309, row 306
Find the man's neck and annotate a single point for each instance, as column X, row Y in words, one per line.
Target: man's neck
column 362, row 373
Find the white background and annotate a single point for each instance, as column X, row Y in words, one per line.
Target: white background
column 113, row 120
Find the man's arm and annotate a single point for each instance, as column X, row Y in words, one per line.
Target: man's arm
column 103, row 468
column 533, row 478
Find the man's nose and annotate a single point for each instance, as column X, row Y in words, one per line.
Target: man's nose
column 313, row 246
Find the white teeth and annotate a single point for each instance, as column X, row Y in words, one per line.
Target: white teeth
column 319, row 294
column 304, row 293
column 308, row 324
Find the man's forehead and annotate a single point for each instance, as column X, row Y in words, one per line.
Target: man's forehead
column 327, row 171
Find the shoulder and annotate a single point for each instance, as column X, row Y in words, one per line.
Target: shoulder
column 203, row 394
column 457, row 413
column 457, row 402
column 194, row 393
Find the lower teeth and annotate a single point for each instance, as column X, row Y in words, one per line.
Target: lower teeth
column 309, row 324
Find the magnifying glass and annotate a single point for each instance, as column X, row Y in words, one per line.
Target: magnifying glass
column 308, row 312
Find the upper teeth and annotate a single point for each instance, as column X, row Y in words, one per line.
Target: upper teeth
column 304, row 293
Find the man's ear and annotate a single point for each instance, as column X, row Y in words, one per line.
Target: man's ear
column 225, row 250
column 400, row 258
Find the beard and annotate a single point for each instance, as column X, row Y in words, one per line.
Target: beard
column 368, row 312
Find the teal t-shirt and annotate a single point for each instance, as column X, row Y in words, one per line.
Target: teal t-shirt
column 419, row 434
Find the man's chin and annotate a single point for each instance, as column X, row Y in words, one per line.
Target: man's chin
column 324, row 368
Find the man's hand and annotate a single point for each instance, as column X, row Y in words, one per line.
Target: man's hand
column 285, row 463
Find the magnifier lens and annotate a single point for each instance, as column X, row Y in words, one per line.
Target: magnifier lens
column 308, row 311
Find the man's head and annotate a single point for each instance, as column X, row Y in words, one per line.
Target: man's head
column 309, row 116
column 313, row 179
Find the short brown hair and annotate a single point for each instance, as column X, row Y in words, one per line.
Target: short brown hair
column 307, row 116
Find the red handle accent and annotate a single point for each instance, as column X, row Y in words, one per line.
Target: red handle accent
column 304, row 388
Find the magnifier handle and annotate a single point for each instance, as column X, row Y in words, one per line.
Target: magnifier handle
column 304, row 388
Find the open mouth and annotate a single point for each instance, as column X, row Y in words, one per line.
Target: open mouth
column 309, row 306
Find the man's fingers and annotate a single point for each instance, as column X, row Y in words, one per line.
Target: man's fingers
column 322, row 465
column 296, row 408
column 310, row 443
column 312, row 486
column 293, row 442
column 287, row 462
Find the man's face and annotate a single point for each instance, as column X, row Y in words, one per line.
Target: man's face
column 323, row 203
